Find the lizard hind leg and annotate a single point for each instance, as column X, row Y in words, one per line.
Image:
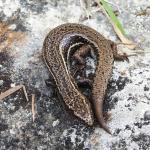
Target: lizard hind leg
column 81, row 53
column 79, row 57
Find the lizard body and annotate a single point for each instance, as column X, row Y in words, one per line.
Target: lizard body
column 56, row 52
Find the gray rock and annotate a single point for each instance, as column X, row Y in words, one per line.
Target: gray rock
column 147, row 115
column 1, row 82
column 127, row 94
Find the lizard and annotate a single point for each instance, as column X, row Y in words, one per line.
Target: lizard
column 56, row 51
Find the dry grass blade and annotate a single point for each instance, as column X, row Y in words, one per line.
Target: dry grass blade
column 112, row 15
column 117, row 27
column 25, row 92
column 10, row 91
column 13, row 90
column 33, row 107
column 130, row 44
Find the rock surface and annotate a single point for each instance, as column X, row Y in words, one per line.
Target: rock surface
column 128, row 95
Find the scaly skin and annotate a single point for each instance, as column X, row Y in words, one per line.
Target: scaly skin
column 55, row 53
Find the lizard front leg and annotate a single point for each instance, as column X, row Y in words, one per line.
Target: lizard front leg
column 117, row 56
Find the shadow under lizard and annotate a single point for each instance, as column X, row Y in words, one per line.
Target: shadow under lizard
column 56, row 52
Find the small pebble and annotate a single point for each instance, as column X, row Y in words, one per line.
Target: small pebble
column 12, row 131
column 147, row 115
column 12, row 84
column 146, row 88
column 55, row 123
column 12, row 27
column 148, row 11
column 94, row 4
column 1, row 82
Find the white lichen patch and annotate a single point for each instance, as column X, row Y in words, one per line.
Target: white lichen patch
column 75, row 137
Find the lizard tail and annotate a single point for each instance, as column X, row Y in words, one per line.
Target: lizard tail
column 99, row 115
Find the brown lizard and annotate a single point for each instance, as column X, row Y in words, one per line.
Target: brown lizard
column 56, row 51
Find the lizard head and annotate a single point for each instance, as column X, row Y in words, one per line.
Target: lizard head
column 82, row 109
